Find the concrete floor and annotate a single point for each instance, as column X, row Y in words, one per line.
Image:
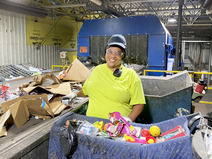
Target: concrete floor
column 204, row 108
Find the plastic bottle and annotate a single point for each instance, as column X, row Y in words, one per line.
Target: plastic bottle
column 87, row 129
column 84, row 127
column 200, row 86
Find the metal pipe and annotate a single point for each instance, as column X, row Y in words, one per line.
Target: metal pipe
column 137, row 1
column 206, row 4
column 177, row 59
column 23, row 9
column 197, row 41
column 66, row 6
column 209, row 64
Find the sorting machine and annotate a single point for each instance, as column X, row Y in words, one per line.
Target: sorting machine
column 148, row 41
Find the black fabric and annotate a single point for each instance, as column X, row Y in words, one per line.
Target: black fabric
column 68, row 140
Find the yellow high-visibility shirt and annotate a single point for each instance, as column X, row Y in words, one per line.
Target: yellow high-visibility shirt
column 108, row 93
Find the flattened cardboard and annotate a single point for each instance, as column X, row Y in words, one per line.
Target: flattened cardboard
column 77, row 72
column 6, row 105
column 22, row 107
column 62, row 89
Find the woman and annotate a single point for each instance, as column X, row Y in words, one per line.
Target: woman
column 112, row 87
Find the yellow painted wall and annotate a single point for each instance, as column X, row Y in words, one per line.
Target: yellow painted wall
column 62, row 31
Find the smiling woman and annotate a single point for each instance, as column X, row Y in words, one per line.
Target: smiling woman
column 116, row 51
column 112, row 87
column 113, row 57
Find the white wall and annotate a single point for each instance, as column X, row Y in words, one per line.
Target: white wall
column 13, row 48
column 198, row 52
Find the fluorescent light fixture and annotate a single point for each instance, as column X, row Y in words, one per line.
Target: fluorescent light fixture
column 97, row 2
column 172, row 20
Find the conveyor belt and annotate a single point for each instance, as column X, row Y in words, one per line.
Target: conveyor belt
column 26, row 140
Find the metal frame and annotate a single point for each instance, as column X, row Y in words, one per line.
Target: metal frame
column 196, row 14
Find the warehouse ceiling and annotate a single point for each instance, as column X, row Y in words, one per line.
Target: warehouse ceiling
column 196, row 14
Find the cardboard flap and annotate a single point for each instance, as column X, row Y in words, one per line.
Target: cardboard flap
column 38, row 106
column 46, row 80
column 62, row 89
column 77, row 71
column 36, row 89
column 49, row 79
column 5, row 106
column 3, row 120
column 56, row 106
column 19, row 113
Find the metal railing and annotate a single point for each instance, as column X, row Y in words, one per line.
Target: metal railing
column 191, row 73
column 61, row 66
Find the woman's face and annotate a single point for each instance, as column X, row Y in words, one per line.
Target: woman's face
column 113, row 57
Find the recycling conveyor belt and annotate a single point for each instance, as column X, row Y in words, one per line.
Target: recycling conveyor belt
column 31, row 140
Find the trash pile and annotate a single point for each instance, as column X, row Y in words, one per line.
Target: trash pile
column 44, row 97
column 122, row 130
column 137, row 68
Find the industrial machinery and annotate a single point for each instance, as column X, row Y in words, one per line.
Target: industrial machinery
column 148, row 41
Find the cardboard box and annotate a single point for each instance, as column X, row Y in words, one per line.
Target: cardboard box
column 77, row 72
column 20, row 109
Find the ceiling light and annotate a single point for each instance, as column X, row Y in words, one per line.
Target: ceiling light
column 172, row 20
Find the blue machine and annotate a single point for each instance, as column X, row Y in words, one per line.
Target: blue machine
column 159, row 39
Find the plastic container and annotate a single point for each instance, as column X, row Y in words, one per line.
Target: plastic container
column 166, row 97
column 87, row 128
column 200, row 86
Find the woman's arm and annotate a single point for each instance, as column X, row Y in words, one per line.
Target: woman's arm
column 136, row 111
column 80, row 94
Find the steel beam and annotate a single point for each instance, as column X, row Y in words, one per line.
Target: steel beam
column 177, row 59
column 23, row 9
